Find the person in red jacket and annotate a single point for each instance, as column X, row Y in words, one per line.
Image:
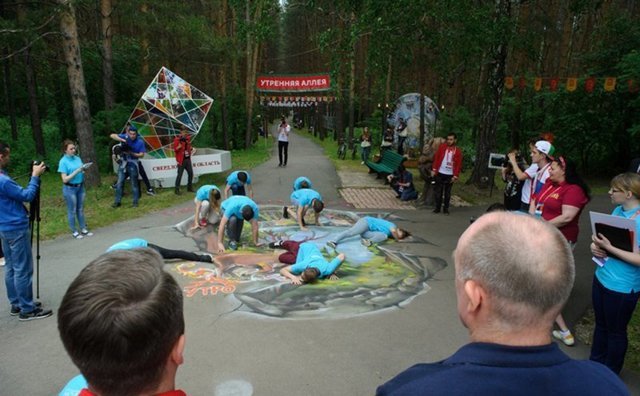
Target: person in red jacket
column 184, row 151
column 447, row 164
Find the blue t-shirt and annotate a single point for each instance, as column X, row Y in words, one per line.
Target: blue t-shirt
column 137, row 146
column 376, row 224
column 233, row 205
column 297, row 183
column 618, row 275
column 309, row 256
column 203, row 192
column 304, row 197
column 127, row 244
column 233, row 178
column 68, row 164
column 13, row 214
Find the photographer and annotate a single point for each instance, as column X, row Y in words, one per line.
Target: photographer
column 132, row 150
column 513, row 188
column 14, row 232
column 184, row 151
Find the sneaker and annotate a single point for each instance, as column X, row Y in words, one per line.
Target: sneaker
column 362, row 163
column 177, row 192
column 206, row 258
column 332, row 244
column 190, row 189
column 77, row 235
column 567, row 339
column 446, row 211
column 233, row 245
column 151, row 192
column 116, row 205
column 134, row 205
column 15, row 311
column 2, row 262
column 276, row 245
column 285, row 212
column 436, row 210
column 86, row 232
column 365, row 242
column 37, row 313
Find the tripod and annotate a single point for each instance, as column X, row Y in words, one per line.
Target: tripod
column 34, row 219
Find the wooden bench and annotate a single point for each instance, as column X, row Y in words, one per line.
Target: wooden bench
column 388, row 163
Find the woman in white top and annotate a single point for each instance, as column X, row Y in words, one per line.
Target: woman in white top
column 283, row 141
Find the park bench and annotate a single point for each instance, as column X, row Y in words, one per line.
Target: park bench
column 388, row 163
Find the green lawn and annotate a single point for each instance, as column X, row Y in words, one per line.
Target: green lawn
column 98, row 211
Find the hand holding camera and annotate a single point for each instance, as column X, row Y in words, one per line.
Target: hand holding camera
column 38, row 168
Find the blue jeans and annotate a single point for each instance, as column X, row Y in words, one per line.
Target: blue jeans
column 74, row 196
column 18, row 270
column 132, row 169
column 238, row 189
column 613, row 311
column 361, row 228
column 365, row 153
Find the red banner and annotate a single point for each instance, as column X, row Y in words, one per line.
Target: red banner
column 293, row 83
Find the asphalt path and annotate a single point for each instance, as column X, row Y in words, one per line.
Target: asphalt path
column 231, row 352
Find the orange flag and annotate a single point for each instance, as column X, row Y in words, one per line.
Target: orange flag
column 537, row 83
column 508, row 82
column 609, row 84
column 572, row 84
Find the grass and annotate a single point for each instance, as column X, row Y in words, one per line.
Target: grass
column 98, row 211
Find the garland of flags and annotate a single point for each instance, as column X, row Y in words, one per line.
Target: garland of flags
column 294, row 101
column 571, row 83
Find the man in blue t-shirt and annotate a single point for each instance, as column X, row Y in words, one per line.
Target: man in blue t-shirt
column 509, row 295
column 238, row 183
column 302, row 200
column 235, row 210
column 308, row 262
column 133, row 149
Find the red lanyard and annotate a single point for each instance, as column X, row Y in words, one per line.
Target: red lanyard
column 543, row 198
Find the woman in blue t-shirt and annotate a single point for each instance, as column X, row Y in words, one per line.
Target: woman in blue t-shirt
column 372, row 230
column 71, row 171
column 616, row 284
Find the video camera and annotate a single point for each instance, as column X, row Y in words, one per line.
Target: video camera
column 36, row 162
column 497, row 161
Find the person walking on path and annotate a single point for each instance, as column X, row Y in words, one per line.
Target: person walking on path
column 283, row 141
column 447, row 164
column 308, row 262
column 184, row 151
column 238, row 183
column 16, row 243
column 508, row 296
column 616, row 284
column 71, row 171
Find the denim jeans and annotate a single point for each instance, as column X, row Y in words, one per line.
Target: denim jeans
column 132, row 169
column 18, row 270
column 234, row 228
column 238, row 189
column 365, row 153
column 74, row 196
column 613, row 312
column 361, row 228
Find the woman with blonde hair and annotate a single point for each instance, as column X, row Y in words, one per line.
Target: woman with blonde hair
column 425, row 163
column 616, row 284
column 71, row 169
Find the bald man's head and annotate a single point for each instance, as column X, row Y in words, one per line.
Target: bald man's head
column 525, row 265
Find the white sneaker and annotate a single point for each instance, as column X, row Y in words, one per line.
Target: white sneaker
column 567, row 339
column 86, row 232
column 76, row 235
column 1, row 261
column 365, row 242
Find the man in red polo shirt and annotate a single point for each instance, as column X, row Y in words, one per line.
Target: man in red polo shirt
column 184, row 151
column 447, row 164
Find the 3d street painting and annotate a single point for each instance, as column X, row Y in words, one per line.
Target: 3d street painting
column 371, row 279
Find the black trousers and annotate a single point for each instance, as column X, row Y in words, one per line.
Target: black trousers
column 234, row 228
column 443, row 187
column 283, row 150
column 179, row 254
column 186, row 165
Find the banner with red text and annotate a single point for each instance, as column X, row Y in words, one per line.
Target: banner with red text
column 293, row 83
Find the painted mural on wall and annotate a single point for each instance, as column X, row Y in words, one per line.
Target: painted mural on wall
column 371, row 279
